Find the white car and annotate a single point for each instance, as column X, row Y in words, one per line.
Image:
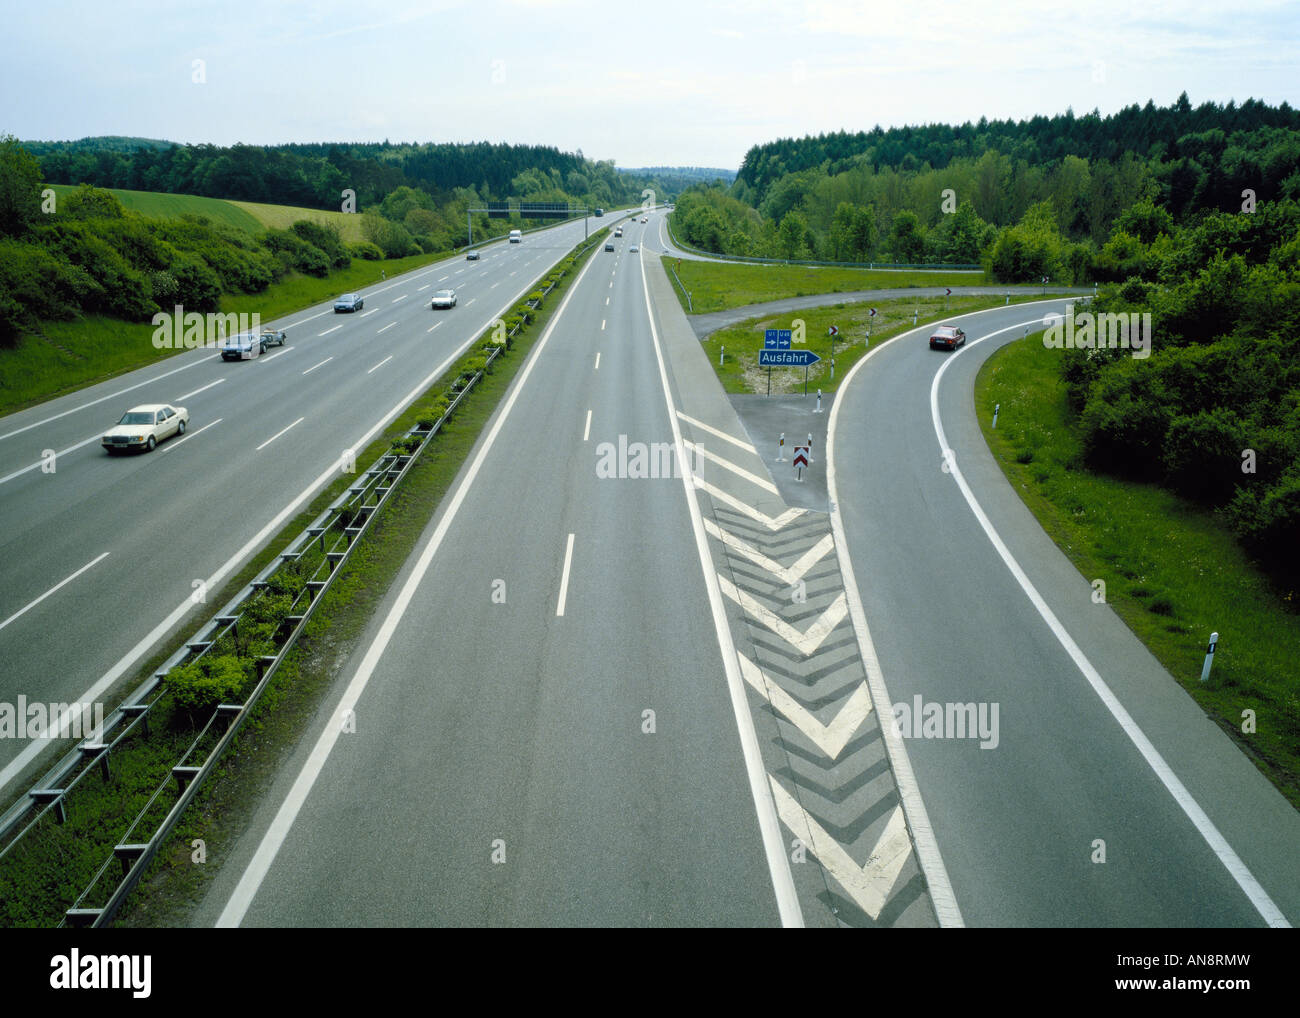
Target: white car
column 143, row 427
column 443, row 299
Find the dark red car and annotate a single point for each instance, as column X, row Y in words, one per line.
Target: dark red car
column 947, row 337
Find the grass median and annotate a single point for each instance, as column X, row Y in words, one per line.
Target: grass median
column 1172, row 571
column 37, row 881
column 716, row 286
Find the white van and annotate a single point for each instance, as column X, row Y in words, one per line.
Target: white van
column 516, row 237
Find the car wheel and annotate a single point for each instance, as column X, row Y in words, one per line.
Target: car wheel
column 180, row 428
column 149, row 445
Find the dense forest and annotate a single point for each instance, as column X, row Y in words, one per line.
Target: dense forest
column 979, row 192
column 315, row 175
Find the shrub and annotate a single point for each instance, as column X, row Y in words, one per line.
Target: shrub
column 200, row 685
column 366, row 251
column 538, row 297
column 327, row 238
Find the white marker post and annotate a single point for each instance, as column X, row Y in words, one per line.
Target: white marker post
column 780, row 449
column 996, row 408
column 819, row 402
column 810, row 459
column 1209, row 657
column 722, row 352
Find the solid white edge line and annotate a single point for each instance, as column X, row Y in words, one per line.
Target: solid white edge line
column 62, row 583
column 146, row 643
column 564, row 578
column 1218, row 844
column 778, row 864
column 242, row 896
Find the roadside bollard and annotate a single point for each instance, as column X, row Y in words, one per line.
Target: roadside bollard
column 996, row 408
column 819, row 402
column 1209, row 657
column 780, row 449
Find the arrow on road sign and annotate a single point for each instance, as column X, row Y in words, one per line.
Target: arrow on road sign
column 786, row 358
column 800, row 455
column 832, row 331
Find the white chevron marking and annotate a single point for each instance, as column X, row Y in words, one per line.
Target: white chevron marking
column 791, row 574
column 771, row 522
column 806, row 642
column 868, row 885
column 714, row 431
column 726, row 464
column 830, row 739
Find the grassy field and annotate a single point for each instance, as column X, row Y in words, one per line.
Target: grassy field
column 716, row 286
column 739, row 370
column 66, row 356
column 283, row 216
column 173, row 206
column 1172, row 573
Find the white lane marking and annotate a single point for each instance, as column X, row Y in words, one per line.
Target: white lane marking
column 320, row 365
column 586, row 431
column 62, row 583
column 381, row 364
column 386, row 328
column 495, row 285
column 442, row 278
column 714, row 431
column 372, row 311
column 602, row 325
column 177, row 400
column 421, row 289
column 928, row 855
column 606, row 302
column 470, row 301
column 62, row 452
column 1237, row 869
column 757, row 515
column 516, row 270
column 597, row 367
column 867, row 885
column 328, row 331
column 278, row 434
column 177, row 442
column 431, row 328
column 830, row 739
column 95, row 402
column 242, row 897
column 778, row 864
column 806, row 642
column 396, row 299
column 726, row 464
column 789, row 575
column 564, row 578
column 273, row 356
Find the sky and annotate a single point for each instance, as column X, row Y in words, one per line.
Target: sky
column 644, row 84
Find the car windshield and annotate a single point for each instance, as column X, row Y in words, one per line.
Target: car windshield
column 348, row 297
column 444, row 293
column 137, row 417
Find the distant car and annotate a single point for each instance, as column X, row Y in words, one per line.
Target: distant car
column 349, row 302
column 600, row 212
column 516, row 237
column 645, row 219
column 273, row 337
column 947, row 337
column 143, row 427
column 618, row 231
column 471, row 256
column 443, row 299
column 632, row 249
column 243, row 347
column 609, row 246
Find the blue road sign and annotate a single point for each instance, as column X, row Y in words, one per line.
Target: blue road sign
column 776, row 339
column 786, row 358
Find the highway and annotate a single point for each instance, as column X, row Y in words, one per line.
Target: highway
column 565, row 755
column 103, row 556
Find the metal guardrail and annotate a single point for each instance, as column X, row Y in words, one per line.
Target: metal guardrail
column 956, row 267
column 348, row 517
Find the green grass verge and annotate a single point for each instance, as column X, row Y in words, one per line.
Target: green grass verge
column 281, row 217
column 65, row 356
column 55, row 863
column 160, row 205
column 739, row 370
column 1172, row 572
column 716, row 286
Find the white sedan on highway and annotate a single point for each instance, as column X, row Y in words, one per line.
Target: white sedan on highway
column 443, row 299
column 143, row 427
